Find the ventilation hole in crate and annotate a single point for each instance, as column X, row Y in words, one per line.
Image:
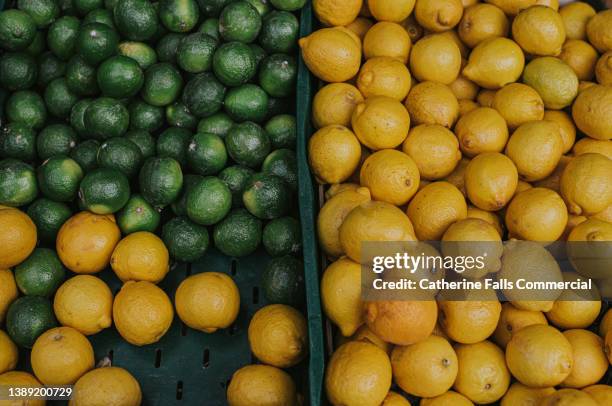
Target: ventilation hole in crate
column 255, row 295
column 206, row 359
column 188, row 270
column 232, row 330
column 183, row 329
column 179, row 390
column 233, row 267
column 158, row 358
column 110, row 355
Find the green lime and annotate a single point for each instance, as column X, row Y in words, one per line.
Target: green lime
column 261, row 6
column 18, row 71
column 553, row 79
column 288, row 5
column 49, row 216
column 208, row 201
column 49, row 67
column 138, row 215
column 282, row 236
column 18, row 141
column 55, row 139
column 282, row 163
column 161, row 180
column 38, row 45
column 120, row 77
column 142, row 53
column 239, row 21
column 136, row 19
column 248, row 144
column 213, row 7
column 59, row 99
column 236, row 178
column 104, row 191
column 59, row 178
column 219, row 124
column 96, row 42
column 238, row 234
column 43, row 12
column 259, row 53
column 267, row 196
column 77, row 117
column 179, row 15
column 173, row 142
column 282, row 131
column 210, row 26
column 144, row 116
column 144, row 141
column 167, row 47
column 279, row 32
column 27, row 318
column 162, row 85
column 66, row 7
column 283, row 281
column 100, row 15
column 179, row 205
column 26, row 107
column 186, row 241
column 203, row 95
column 81, row 77
column 106, row 118
column 86, row 154
column 40, row 274
column 18, row 185
column 234, row 63
column 17, row 30
column 246, row 102
column 121, row 154
column 85, row 6
column 178, row 115
column 277, row 75
column 62, row 37
column 195, row 52
column 206, row 154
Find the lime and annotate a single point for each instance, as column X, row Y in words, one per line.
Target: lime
column 203, row 95
column 161, row 180
column 167, row 47
column 18, row 141
column 59, row 99
column 267, row 196
column 162, row 85
column 106, row 118
column 248, row 144
column 136, row 19
column 49, row 216
column 55, row 139
column 100, row 15
column 104, row 191
column 210, row 26
column 277, row 75
column 212, row 7
column 282, row 236
column 236, row 178
column 96, row 42
column 178, row 115
column 17, row 30
column 77, row 117
column 173, row 142
column 246, row 102
column 261, row 6
column 86, row 154
column 18, row 71
column 18, row 185
column 279, row 32
column 40, row 274
column 288, row 5
column 38, row 46
column 234, row 63
column 62, row 36
column 26, row 107
column 85, row 6
column 206, row 154
column 49, row 67
column 282, row 163
column 259, row 53
column 137, row 215
column 179, row 15
column 43, row 12
column 282, row 131
column 208, row 201
column 144, row 141
column 142, row 53
column 59, row 178
column 239, row 234
column 179, row 205
column 219, row 124
column 27, row 318
column 121, row 154
column 239, row 21
column 144, row 116
column 195, row 52
column 283, row 281
column 120, row 77
column 186, row 241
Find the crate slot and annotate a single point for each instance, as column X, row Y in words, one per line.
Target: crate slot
column 232, row 330
column 255, row 295
column 110, row 355
column 206, row 358
column 233, row 266
column 179, row 390
column 188, row 270
column 183, row 329
column 158, row 358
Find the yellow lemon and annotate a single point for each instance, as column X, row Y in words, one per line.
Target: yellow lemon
column 9, row 354
column 494, row 63
column 591, row 260
column 518, row 104
column 480, row 22
column 432, row 103
column 575, row 16
column 415, row 31
column 338, row 188
column 553, row 4
column 333, row 153
column 396, row 11
column 22, row 380
column 111, row 386
column 585, row 184
column 485, row 97
column 142, row 313
column 17, row 237
column 464, row 89
column 332, row 12
column 395, row 399
column 341, row 295
column 449, row 398
column 537, row 214
column 360, row 26
column 568, row 129
column 380, row 122
column 469, row 321
column 456, row 178
column 438, row 16
column 391, row 176
column 592, row 112
column 84, row 303
column 490, row 217
column 581, row 57
column 568, row 397
column 572, row 309
column 363, row 333
column 553, row 181
column 207, row 301
column 491, row 180
column 86, row 242
column 465, row 106
column 278, row 335
column 512, row 320
column 601, row 393
column 61, row 355
column 384, row 76
column 605, row 324
column 141, row 256
column 481, row 130
column 425, row 369
column 8, row 291
column 512, row 7
column 519, row 394
column 331, row 54
column 598, row 31
column 387, row 39
column 334, row 104
column 261, row 385
column 434, row 149
column 539, row 30
column 402, row 322
column 590, row 362
column 435, row 58
column 603, row 69
column 553, row 79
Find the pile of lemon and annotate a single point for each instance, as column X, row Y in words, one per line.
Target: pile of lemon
column 463, row 120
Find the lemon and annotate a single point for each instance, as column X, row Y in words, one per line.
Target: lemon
column 341, row 295
column 435, row 58
column 490, row 217
column 396, row 11
column 373, row 221
column 519, row 394
column 434, row 149
column 425, row 369
column 84, row 302
column 512, row 7
column 61, row 355
column 360, row 26
column 568, row 397
column 483, row 376
column 363, row 333
column 522, row 186
column 208, row 301
column 392, row 176
column 453, row 36
column 554, row 80
column 603, row 69
column 8, row 291
column 141, row 256
column 481, row 130
column 601, row 393
column 491, row 180
column 9, row 354
column 438, row 16
column 494, row 63
column 572, row 309
column 553, row 4
column 518, row 104
column 333, row 153
column 537, row 214
column 539, row 30
column 338, row 188
column 86, row 242
column 332, row 54
column 142, row 313
column 590, row 362
column 384, row 76
column 334, row 104
column 261, row 385
column 592, row 112
column 598, row 31
column 112, row 386
column 380, row 122
column 581, row 57
column 387, row 39
column 432, row 103
column 512, row 320
column 605, row 215
column 448, row 398
column 568, row 129
column 402, row 322
column 395, row 399
column 464, row 89
column 415, row 31
column 333, row 13
column 17, row 237
column 465, row 106
column 605, row 324
column 591, row 260
column 457, row 177
column 434, row 208
column 278, row 335
column 21, row 380
column 553, row 181
column 575, row 16
column 480, row 22
column 585, row 184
